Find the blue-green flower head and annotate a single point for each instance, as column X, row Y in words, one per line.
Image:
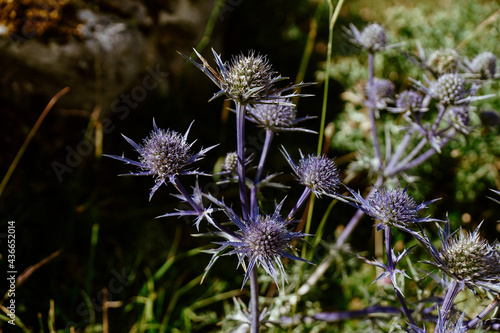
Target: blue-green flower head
column 164, row 154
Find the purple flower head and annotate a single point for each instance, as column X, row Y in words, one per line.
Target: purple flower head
column 485, row 65
column 319, row 173
column 164, row 154
column 264, row 240
column 460, row 118
column 409, row 100
column 248, row 79
column 467, row 257
column 277, row 116
column 391, row 207
column 373, row 38
column 379, row 93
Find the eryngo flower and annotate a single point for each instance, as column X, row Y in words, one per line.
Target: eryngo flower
column 485, row 65
column 247, row 79
column 391, row 207
column 276, row 116
column 319, row 173
column 449, row 88
column 164, row 154
column 230, row 163
column 262, row 240
column 460, row 118
column 443, row 61
column 410, row 102
column 373, row 38
column 379, row 92
column 467, row 258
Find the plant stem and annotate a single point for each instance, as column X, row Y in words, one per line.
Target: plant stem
column 392, row 267
column 371, row 109
column 357, row 216
column 240, row 150
column 260, row 168
column 300, row 202
column 254, row 301
column 453, row 290
column 483, row 313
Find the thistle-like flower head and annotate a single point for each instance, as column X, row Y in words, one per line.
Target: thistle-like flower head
column 468, row 258
column 230, row 162
column 460, row 118
column 373, row 38
column 247, row 79
column 391, row 207
column 379, row 92
column 164, row 154
column 319, row 173
column 276, row 117
column 485, row 65
column 261, row 240
column 409, row 100
column 449, row 88
column 443, row 61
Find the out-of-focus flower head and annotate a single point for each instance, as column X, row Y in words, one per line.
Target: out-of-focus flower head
column 379, row 93
column 373, row 38
column 443, row 61
column 484, row 65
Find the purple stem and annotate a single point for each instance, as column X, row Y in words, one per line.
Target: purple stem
column 439, row 117
column 399, row 151
column 422, row 158
column 408, row 158
column 392, row 267
column 371, row 98
column 357, row 216
column 240, row 150
column 254, row 301
column 300, row 202
column 453, row 290
column 260, row 168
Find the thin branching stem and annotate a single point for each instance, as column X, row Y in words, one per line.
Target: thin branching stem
column 371, row 98
column 240, row 151
column 260, row 168
column 453, row 290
